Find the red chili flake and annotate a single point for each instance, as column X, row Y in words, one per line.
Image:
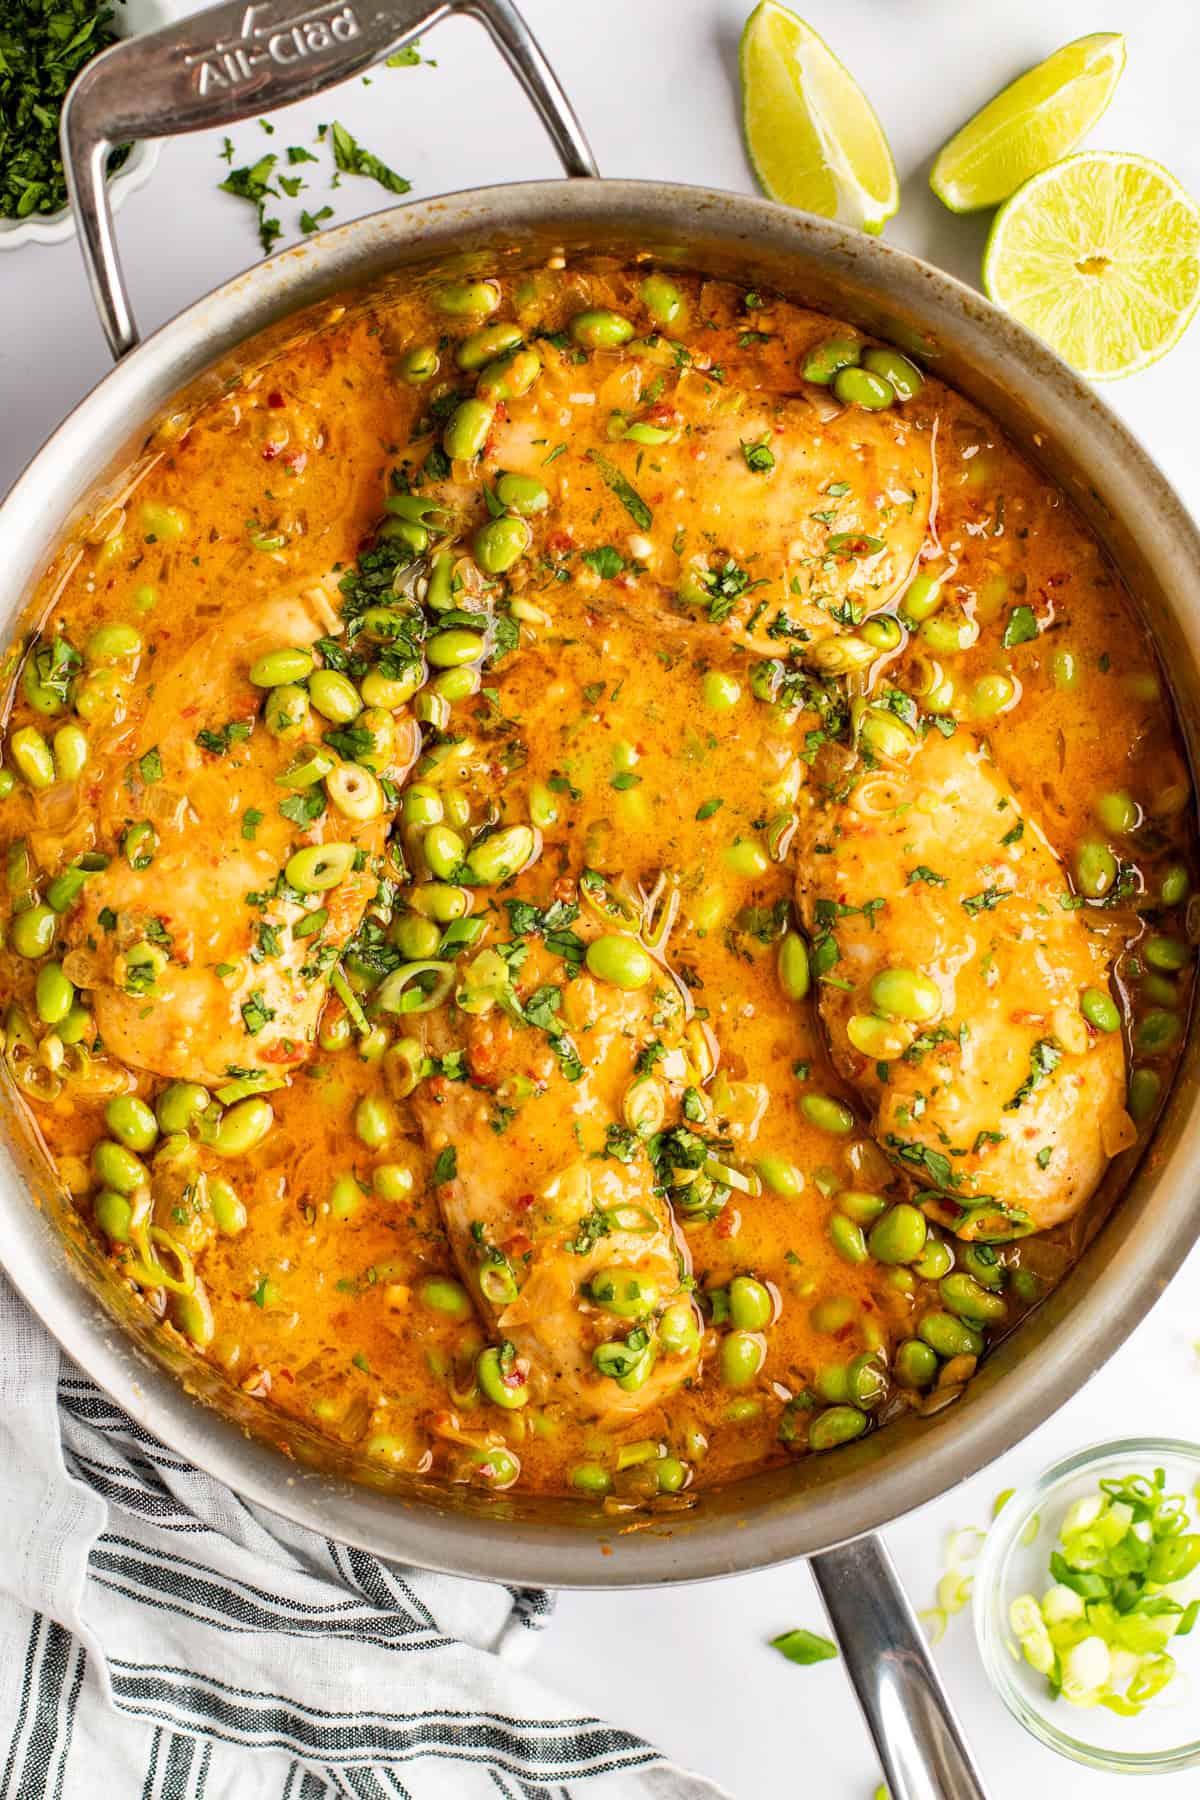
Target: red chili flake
column 524, row 1202
column 275, row 398
column 559, row 542
column 296, row 462
column 271, row 451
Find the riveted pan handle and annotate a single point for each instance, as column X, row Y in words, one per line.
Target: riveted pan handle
column 908, row 1712
column 239, row 60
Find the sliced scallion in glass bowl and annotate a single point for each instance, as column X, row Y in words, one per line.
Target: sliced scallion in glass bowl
column 1086, row 1595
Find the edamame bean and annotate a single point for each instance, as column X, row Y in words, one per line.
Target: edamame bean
column 443, row 850
column 523, row 494
column 827, row 1114
column 8, row 782
column 509, row 376
column 621, row 960
column 905, row 994
column 885, row 734
column 1118, row 812
column 922, row 597
column 882, row 1040
column 946, row 633
column 112, row 643
column 467, row 429
column 746, row 857
column 193, row 1314
column 679, row 1329
column 228, row 1210
column 279, row 668
column 661, row 298
column 416, row 938
column 494, row 860
column 54, row 997
column 31, row 753
column 180, row 1105
column 422, row 805
column 600, row 329
column 77, row 1025
column 1095, row 868
column 242, row 1127
column 742, row 1356
column 442, row 1295
column 862, row 1207
column 866, row 1379
column 1145, row 1086
column 721, row 691
column 950, row 1336
column 832, row 1382
column 418, row 365
column 969, row 1300
column 131, row 1122
column 992, row 694
column 781, row 1175
column 883, row 632
column 1166, row 953
column 286, row 711
column 836, row 1425
column 904, row 377
column 31, row 932
column 499, row 544
column 1099, row 1009
column 489, row 342
column 374, row 1121
column 1176, row 885
column 793, row 965
column 899, row 1237
column 113, row 1214
column 335, row 696
column 465, row 299
column 751, row 1307
column 624, row 1292
column 437, row 900
column 825, row 360
column 70, row 752
column 591, row 1478
column 916, row 1364
column 847, row 1238
column 393, row 1182
column 858, row 387
column 1065, row 670
column 452, row 648
column 319, row 867
column 500, row 1378
column 116, row 1167
column 935, row 1260
column 1155, row 1033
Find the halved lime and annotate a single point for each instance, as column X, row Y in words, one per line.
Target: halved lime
column 1030, row 124
column 813, row 139
column 1100, row 255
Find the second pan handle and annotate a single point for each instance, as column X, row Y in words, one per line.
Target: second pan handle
column 908, row 1713
column 239, row 60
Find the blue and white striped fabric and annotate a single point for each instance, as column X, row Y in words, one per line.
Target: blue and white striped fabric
column 162, row 1640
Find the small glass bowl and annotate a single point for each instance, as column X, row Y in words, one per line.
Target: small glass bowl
column 1015, row 1560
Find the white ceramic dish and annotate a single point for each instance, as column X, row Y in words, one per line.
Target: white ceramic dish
column 132, row 17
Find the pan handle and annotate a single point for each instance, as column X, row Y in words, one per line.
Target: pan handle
column 908, row 1712
column 239, row 60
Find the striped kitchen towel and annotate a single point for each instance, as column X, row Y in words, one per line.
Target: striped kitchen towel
column 162, row 1640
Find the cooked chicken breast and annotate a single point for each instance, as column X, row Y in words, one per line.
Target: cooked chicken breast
column 548, row 1196
column 193, row 958
column 952, row 960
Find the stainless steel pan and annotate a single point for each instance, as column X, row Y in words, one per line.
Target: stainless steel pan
column 237, row 61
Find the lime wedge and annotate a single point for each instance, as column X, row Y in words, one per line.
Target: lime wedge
column 813, row 140
column 1099, row 255
column 1030, row 124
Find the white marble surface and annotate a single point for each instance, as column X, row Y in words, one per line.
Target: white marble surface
column 654, row 83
